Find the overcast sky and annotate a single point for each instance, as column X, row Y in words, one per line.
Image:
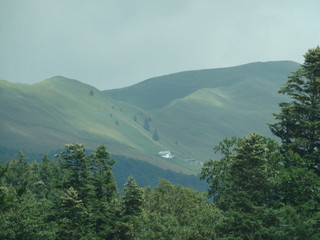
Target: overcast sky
column 116, row 43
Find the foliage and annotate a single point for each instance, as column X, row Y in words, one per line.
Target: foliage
column 298, row 127
column 241, row 184
column 297, row 184
column 175, row 212
column 19, row 173
column 101, row 174
column 146, row 124
column 28, row 218
column 133, row 198
column 246, row 167
column 248, row 187
column 298, row 123
column 155, row 135
column 72, row 217
column 77, row 198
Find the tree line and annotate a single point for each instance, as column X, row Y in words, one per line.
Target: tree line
column 258, row 189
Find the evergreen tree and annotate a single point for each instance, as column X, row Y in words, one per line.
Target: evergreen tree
column 28, row 219
column 146, row 124
column 5, row 196
column 76, row 164
column 133, row 198
column 298, row 186
column 103, row 200
column 241, row 184
column 19, row 174
column 176, row 212
column 155, row 135
column 73, row 218
column 23, row 213
column 132, row 205
column 50, row 175
column 7, row 204
column 298, row 127
column 298, row 123
column 102, row 178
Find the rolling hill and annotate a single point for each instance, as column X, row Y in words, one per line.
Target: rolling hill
column 190, row 111
column 195, row 110
column 158, row 92
column 45, row 116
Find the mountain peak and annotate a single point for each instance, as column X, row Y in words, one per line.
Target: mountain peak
column 61, row 82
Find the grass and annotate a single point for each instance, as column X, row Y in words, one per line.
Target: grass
column 191, row 111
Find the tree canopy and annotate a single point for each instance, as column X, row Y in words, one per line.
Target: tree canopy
column 298, row 123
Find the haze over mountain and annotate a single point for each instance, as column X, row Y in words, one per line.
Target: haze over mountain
column 189, row 112
column 112, row 44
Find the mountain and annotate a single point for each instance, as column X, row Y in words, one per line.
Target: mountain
column 158, row 92
column 185, row 113
column 45, row 116
column 195, row 110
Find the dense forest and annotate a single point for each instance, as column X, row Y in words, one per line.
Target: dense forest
column 258, row 189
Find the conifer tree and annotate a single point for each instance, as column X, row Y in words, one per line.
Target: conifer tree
column 155, row 135
column 241, row 184
column 76, row 164
column 101, row 163
column 5, row 199
column 298, row 123
column 103, row 202
column 50, row 175
column 132, row 205
column 146, row 124
column 133, row 198
column 176, row 212
column 72, row 217
column 298, row 127
column 19, row 174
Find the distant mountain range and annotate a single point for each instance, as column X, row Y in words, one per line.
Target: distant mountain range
column 185, row 113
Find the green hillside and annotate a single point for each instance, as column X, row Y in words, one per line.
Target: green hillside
column 157, row 92
column 45, row 116
column 195, row 110
column 189, row 112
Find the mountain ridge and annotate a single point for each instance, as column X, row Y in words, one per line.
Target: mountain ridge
column 208, row 78
column 190, row 111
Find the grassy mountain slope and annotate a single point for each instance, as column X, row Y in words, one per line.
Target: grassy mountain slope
column 46, row 115
column 157, row 92
column 197, row 109
column 191, row 112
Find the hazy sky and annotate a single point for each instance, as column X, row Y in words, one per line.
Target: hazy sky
column 116, row 43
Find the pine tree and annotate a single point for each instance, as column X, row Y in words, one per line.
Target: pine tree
column 176, row 212
column 132, row 205
column 155, row 135
column 50, row 175
column 133, row 198
column 146, row 124
column 5, row 196
column 76, row 164
column 102, row 178
column 103, row 203
column 298, row 127
column 19, row 174
column 298, row 123
column 241, row 184
column 73, row 218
